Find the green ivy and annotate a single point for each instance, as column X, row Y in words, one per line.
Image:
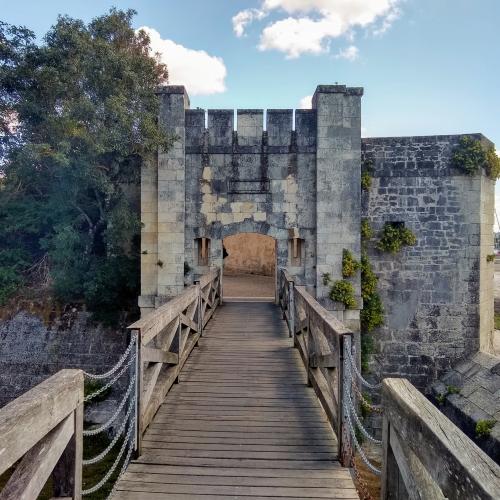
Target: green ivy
column 366, row 230
column 484, row 427
column 343, row 291
column 350, row 265
column 394, row 237
column 369, row 279
column 366, row 181
column 470, row 156
column 326, row 279
column 372, row 314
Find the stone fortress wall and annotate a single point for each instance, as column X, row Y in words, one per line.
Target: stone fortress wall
column 297, row 179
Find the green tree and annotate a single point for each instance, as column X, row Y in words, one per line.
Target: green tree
column 86, row 111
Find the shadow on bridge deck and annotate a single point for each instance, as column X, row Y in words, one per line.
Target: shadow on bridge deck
column 242, row 421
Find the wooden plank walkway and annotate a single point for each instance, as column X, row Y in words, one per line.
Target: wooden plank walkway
column 241, row 423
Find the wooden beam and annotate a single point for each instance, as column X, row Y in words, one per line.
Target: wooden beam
column 67, row 474
column 323, row 360
column 31, row 474
column 150, row 354
column 418, row 483
column 457, row 465
column 27, row 419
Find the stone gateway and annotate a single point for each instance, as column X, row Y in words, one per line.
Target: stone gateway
column 296, row 176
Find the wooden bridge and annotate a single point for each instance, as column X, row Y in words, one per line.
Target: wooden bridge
column 250, row 417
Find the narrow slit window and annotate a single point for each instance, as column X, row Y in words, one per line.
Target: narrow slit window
column 203, row 251
column 296, row 247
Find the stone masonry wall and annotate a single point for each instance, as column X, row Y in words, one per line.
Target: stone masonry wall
column 31, row 351
column 434, row 309
column 250, row 181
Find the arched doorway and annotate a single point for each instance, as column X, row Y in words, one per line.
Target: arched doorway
column 249, row 269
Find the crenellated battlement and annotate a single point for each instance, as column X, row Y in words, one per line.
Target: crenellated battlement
column 247, row 130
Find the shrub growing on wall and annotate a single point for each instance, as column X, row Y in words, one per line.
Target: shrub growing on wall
column 343, row 291
column 350, row 265
column 394, row 237
column 471, row 156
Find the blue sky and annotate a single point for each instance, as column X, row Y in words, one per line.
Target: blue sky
column 427, row 66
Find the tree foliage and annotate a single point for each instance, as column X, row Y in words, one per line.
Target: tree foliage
column 85, row 113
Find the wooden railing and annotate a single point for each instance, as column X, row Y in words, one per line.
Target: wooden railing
column 319, row 337
column 166, row 337
column 426, row 456
column 42, row 429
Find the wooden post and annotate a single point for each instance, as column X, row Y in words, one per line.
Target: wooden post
column 308, row 345
column 343, row 432
column 219, row 271
column 291, row 310
column 200, row 309
column 384, row 493
column 138, row 392
column 67, row 474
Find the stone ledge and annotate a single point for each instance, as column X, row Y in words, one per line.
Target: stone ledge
column 478, row 398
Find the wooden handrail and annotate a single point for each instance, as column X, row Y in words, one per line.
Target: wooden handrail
column 166, row 337
column 43, row 428
column 426, row 456
column 318, row 336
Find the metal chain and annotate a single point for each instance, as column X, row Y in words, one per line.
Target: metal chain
column 101, row 455
column 117, row 366
column 123, row 469
column 375, row 408
column 111, row 382
column 108, row 474
column 103, row 427
column 358, row 421
column 358, row 373
column 362, row 454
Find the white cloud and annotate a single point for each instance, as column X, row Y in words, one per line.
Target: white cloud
column 245, row 17
column 199, row 72
column 306, row 102
column 310, row 25
column 351, row 53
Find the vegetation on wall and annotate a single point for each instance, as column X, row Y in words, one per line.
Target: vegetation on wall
column 366, row 178
column 484, row 428
column 366, row 181
column 350, row 265
column 366, row 230
column 394, row 237
column 343, row 291
column 78, row 117
column 471, row 156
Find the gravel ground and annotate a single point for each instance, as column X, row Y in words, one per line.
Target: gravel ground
column 248, row 286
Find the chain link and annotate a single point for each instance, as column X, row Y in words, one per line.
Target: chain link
column 108, row 474
column 117, row 366
column 111, row 382
column 103, row 427
column 101, row 455
column 358, row 373
column 123, row 469
column 358, row 421
column 362, row 454
column 375, row 408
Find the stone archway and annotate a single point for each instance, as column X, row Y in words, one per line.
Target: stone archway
column 249, row 266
